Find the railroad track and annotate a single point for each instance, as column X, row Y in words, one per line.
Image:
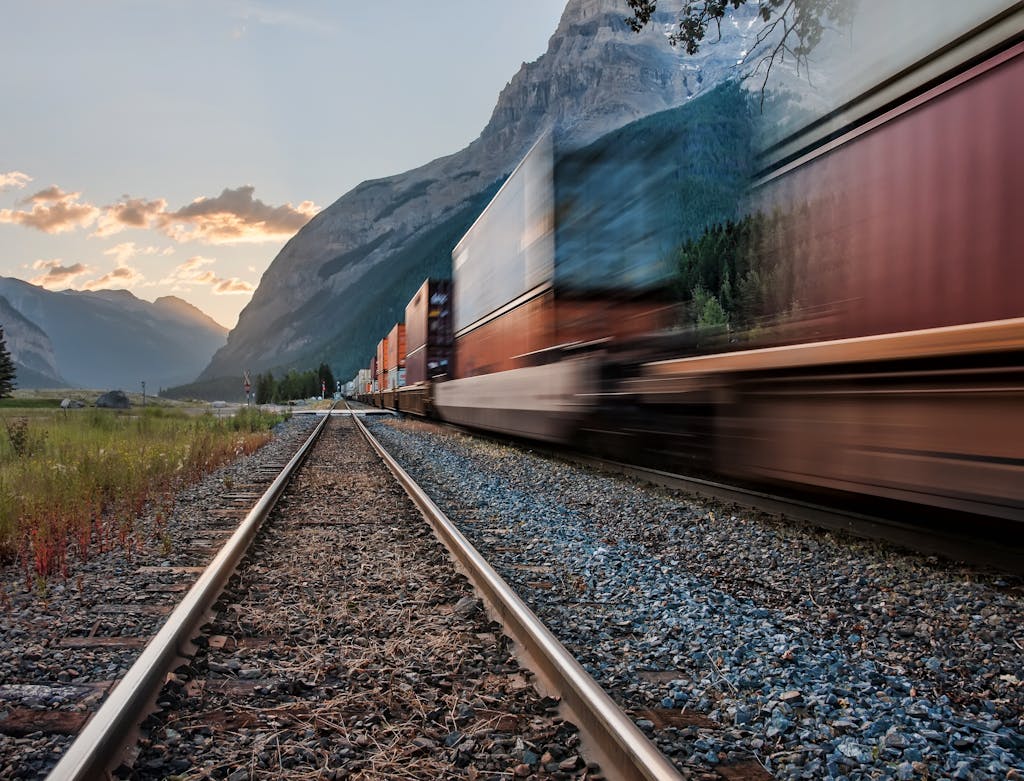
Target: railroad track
column 736, row 639
column 346, row 643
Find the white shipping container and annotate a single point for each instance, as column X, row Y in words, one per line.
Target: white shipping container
column 510, row 249
column 396, row 378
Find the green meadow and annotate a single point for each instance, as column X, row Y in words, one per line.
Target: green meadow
column 73, row 483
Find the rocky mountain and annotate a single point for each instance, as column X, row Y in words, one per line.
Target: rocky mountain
column 344, row 279
column 30, row 348
column 110, row 338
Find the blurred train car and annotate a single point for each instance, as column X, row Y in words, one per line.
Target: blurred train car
column 894, row 366
column 567, row 239
column 881, row 351
column 428, row 326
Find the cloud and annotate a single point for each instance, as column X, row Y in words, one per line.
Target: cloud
column 235, row 216
column 123, row 276
column 272, row 16
column 192, row 273
column 196, row 261
column 56, row 275
column 14, row 179
column 129, row 213
column 53, row 211
column 127, row 250
column 232, row 286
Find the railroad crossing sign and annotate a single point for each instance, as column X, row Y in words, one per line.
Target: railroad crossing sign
column 245, row 380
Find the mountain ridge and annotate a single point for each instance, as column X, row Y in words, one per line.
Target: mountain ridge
column 30, row 348
column 111, row 338
column 596, row 75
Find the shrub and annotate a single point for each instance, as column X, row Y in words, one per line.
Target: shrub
column 72, row 484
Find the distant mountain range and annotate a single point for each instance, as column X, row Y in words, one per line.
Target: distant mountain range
column 345, row 278
column 104, row 339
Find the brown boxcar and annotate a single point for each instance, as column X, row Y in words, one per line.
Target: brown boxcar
column 536, row 331
column 902, row 237
column 912, row 220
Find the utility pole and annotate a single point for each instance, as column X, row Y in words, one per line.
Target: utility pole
column 143, row 393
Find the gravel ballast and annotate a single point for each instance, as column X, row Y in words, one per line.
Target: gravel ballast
column 732, row 636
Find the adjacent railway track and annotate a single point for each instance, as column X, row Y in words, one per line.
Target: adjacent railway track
column 993, row 545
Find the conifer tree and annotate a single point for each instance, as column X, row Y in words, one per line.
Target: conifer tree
column 7, row 370
column 791, row 28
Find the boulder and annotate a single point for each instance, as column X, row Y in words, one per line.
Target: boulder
column 71, row 404
column 114, row 399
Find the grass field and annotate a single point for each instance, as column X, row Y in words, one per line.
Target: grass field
column 74, row 482
column 53, row 396
column 27, row 403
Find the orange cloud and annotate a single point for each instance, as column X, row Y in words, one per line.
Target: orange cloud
column 57, row 276
column 235, row 216
column 191, row 273
column 232, row 217
column 15, row 179
column 232, row 286
column 53, row 211
column 127, row 250
column 129, row 213
column 123, row 276
column 185, row 269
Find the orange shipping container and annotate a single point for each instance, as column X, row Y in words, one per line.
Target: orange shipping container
column 396, row 347
column 381, row 372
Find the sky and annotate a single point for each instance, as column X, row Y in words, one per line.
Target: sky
column 171, row 147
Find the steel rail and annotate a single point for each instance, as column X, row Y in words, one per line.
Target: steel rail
column 99, row 748
column 622, row 750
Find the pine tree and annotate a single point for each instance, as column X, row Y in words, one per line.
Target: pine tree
column 7, row 370
column 325, row 378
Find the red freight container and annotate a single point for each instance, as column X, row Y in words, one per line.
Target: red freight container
column 396, row 347
column 428, row 323
column 914, row 222
column 517, row 338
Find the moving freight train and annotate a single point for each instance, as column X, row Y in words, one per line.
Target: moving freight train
column 856, row 326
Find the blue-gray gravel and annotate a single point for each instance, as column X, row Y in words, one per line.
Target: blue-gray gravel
column 820, row 655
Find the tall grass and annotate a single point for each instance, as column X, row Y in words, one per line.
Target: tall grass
column 74, row 483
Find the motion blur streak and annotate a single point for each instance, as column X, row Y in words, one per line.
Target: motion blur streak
column 827, row 295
